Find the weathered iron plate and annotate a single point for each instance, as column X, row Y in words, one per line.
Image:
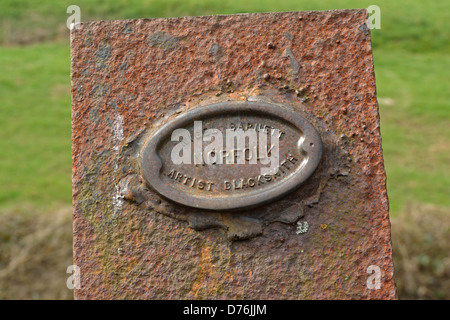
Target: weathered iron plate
column 130, row 243
column 226, row 184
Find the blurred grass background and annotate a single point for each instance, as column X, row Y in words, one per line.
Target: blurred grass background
column 412, row 59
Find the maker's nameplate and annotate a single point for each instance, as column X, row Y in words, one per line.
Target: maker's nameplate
column 231, row 155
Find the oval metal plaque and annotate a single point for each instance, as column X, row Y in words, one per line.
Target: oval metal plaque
column 231, row 155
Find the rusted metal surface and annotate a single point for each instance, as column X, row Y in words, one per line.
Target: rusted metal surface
column 131, row 77
column 226, row 184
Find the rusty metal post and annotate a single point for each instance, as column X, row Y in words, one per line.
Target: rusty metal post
column 148, row 227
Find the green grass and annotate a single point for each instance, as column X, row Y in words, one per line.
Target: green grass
column 35, row 156
column 411, row 54
column 415, row 125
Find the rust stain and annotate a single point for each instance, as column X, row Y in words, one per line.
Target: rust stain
column 204, row 274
